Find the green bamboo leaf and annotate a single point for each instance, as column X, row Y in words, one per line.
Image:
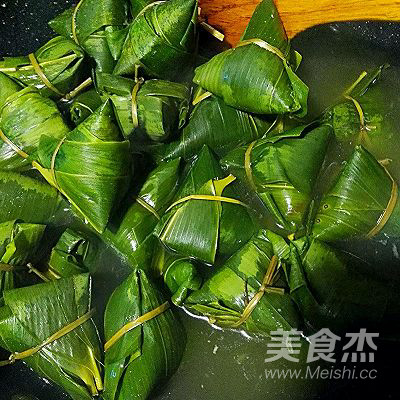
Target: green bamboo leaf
column 138, row 5
column 73, row 254
column 279, row 245
column 119, row 91
column 283, row 172
column 333, row 288
column 220, row 127
column 361, row 203
column 24, row 117
column 19, row 243
column 224, row 297
column 257, row 76
column 116, row 36
column 131, row 232
column 90, row 166
column 148, row 354
column 60, row 60
column 199, row 171
column 27, row 199
column 161, row 106
column 181, row 277
column 83, row 105
column 33, row 314
column 161, row 37
column 8, row 87
column 193, row 229
column 87, row 24
column 200, row 228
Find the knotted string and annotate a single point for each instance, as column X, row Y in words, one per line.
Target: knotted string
column 210, row 29
column 207, row 198
column 264, row 45
column 247, row 165
column 363, row 126
column 73, row 93
column 13, row 145
column 264, row 288
column 53, row 163
column 34, row 270
column 200, row 98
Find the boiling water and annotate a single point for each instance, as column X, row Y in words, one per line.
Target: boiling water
column 227, row 365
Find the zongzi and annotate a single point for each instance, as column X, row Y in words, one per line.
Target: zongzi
column 220, row 127
column 131, row 233
column 90, row 166
column 145, row 340
column 25, row 116
column 362, row 203
column 282, row 170
column 161, row 37
column 87, row 24
column 258, row 75
column 206, row 217
column 244, row 293
column 54, row 69
column 152, row 109
column 49, row 326
column 333, row 289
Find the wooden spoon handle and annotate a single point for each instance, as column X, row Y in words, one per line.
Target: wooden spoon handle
column 232, row 16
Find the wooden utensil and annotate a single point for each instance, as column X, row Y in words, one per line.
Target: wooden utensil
column 232, row 16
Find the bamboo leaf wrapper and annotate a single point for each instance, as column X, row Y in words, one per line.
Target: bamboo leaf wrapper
column 224, row 298
column 24, row 117
column 283, row 172
column 161, row 37
column 131, row 232
column 87, row 24
column 59, row 68
column 362, row 203
column 19, row 243
column 33, row 314
column 259, row 74
column 202, row 228
column 90, row 166
column 221, row 127
column 148, row 354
